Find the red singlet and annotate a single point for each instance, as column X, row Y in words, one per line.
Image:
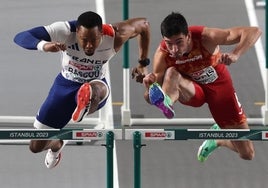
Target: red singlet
column 212, row 81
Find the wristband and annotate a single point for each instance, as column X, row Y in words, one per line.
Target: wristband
column 41, row 44
column 144, row 62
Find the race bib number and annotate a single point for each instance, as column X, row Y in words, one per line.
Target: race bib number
column 205, row 76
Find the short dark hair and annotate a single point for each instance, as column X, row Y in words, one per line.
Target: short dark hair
column 89, row 20
column 174, row 24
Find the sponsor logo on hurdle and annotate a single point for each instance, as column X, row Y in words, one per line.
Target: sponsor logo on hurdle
column 159, row 135
column 92, row 135
column 264, row 135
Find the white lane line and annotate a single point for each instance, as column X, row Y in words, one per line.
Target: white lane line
column 258, row 46
column 101, row 11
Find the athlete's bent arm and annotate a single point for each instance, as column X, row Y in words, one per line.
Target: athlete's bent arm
column 159, row 69
column 243, row 37
column 139, row 28
column 159, row 65
column 135, row 27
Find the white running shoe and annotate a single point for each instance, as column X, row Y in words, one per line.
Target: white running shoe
column 52, row 159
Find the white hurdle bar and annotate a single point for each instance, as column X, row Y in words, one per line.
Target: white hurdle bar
column 30, row 119
column 184, row 121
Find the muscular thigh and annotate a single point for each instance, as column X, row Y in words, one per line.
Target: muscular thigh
column 223, row 102
column 57, row 109
column 106, row 91
column 196, row 96
column 226, row 109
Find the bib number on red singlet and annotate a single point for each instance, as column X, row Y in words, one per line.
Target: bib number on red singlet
column 205, row 76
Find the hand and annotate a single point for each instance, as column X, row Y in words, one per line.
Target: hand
column 139, row 73
column 228, row 58
column 148, row 80
column 54, row 47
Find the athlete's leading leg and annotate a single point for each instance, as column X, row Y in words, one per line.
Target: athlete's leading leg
column 174, row 87
column 177, row 87
column 90, row 97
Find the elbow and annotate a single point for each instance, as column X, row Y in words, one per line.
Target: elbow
column 20, row 39
column 17, row 39
column 260, row 32
column 257, row 31
column 26, row 40
column 144, row 24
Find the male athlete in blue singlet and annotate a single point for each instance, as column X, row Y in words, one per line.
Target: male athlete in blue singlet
column 86, row 45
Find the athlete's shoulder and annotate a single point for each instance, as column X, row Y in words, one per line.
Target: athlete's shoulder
column 72, row 25
column 61, row 26
column 108, row 30
column 162, row 46
column 196, row 30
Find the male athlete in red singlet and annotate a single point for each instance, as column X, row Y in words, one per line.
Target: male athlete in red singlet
column 190, row 68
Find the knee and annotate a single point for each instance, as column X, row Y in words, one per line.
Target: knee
column 249, row 155
column 171, row 74
column 35, row 147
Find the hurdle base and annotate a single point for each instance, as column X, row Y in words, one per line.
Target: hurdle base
column 125, row 117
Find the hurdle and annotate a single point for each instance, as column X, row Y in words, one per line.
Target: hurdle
column 137, row 135
column 71, row 134
column 261, row 3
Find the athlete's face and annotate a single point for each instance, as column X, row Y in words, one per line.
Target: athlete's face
column 89, row 39
column 178, row 45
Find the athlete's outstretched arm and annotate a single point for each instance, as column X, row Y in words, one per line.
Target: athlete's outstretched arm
column 29, row 39
column 48, row 38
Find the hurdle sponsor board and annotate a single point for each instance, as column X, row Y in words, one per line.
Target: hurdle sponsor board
column 199, row 134
column 91, row 134
column 147, row 134
column 151, row 134
column 225, row 134
column 56, row 134
column 264, row 135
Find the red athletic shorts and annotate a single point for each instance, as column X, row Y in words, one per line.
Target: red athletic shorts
column 221, row 99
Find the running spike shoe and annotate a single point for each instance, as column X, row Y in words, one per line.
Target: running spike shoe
column 83, row 99
column 161, row 100
column 52, row 159
column 207, row 147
